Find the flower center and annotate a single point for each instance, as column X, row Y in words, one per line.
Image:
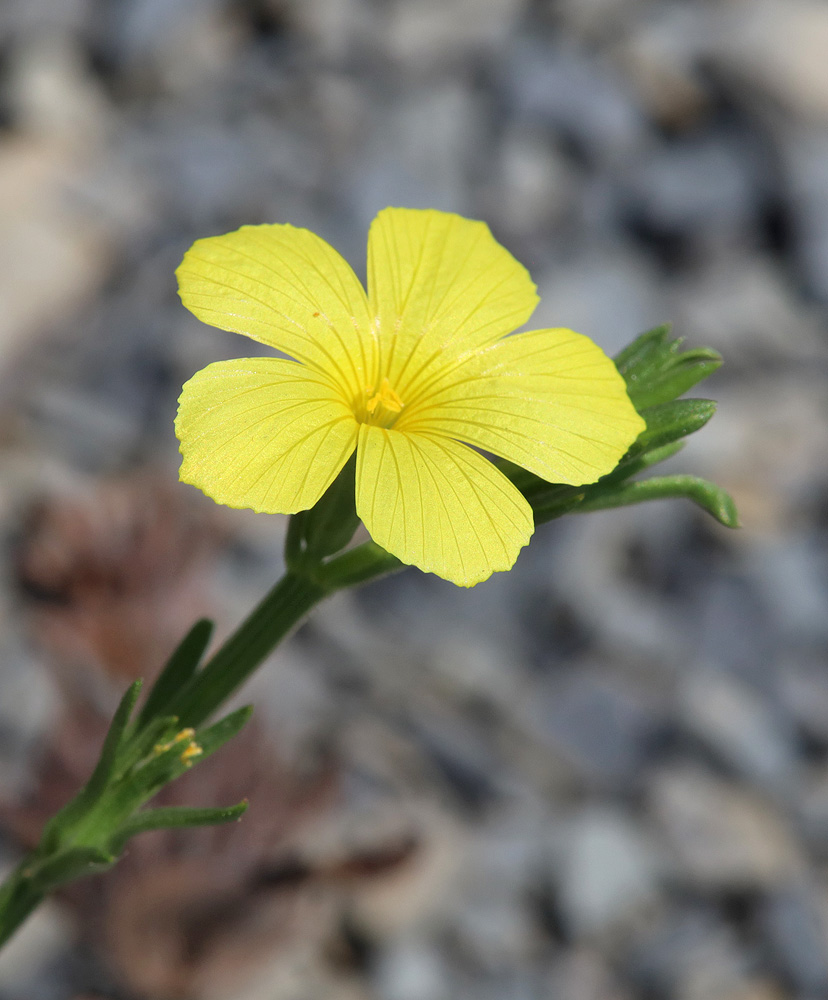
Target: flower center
column 383, row 406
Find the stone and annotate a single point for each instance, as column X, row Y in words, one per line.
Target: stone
column 413, row 154
column 722, row 837
column 687, row 952
column 581, row 98
column 756, row 39
column 425, row 33
column 608, row 870
column 534, row 186
column 805, row 154
column 54, row 96
column 334, row 27
column 700, row 187
column 739, row 726
column 608, row 292
column 411, row 969
column 802, row 689
column 599, row 727
column 583, row 974
column 660, row 53
column 743, row 306
column 795, row 920
column 53, row 254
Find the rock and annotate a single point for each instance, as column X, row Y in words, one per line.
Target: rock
column 27, row 17
column 583, row 974
column 702, row 188
column 608, row 292
column 795, row 921
column 496, row 931
column 599, row 727
column 608, row 870
column 790, row 575
column 756, row 39
column 744, row 307
column 581, row 98
column 812, row 811
column 660, row 53
column 722, row 838
column 806, row 163
column 802, row 688
column 335, row 27
column 53, row 255
column 54, row 96
column 598, row 19
column 28, row 705
column 762, row 449
column 423, row 34
column 176, row 45
column 411, row 969
column 739, row 726
column 688, row 953
column 535, row 186
column 413, row 155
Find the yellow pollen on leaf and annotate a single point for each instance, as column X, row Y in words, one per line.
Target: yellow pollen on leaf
column 185, row 734
column 191, row 751
column 383, row 406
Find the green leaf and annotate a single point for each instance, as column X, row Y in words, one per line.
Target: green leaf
column 160, row 730
column 656, row 372
column 173, row 817
column 710, row 497
column 179, row 669
column 215, row 736
column 57, row 829
column 633, row 464
column 670, row 422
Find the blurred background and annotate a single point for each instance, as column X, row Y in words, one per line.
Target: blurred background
column 602, row 776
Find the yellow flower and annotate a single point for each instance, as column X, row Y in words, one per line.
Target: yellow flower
column 410, row 375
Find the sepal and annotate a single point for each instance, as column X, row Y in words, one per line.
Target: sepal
column 656, row 371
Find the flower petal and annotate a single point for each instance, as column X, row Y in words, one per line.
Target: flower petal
column 439, row 505
column 287, row 288
column 550, row 401
column 263, row 433
column 441, row 286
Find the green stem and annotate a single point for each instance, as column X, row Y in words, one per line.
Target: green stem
column 281, row 611
column 18, row 898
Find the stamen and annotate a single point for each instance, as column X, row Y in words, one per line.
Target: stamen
column 386, row 397
column 383, row 406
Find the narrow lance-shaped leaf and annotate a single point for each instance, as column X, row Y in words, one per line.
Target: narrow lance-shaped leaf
column 179, row 669
column 174, row 817
column 710, row 497
column 656, row 371
column 63, row 821
column 215, row 736
column 670, row 422
column 159, row 730
column 634, row 464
